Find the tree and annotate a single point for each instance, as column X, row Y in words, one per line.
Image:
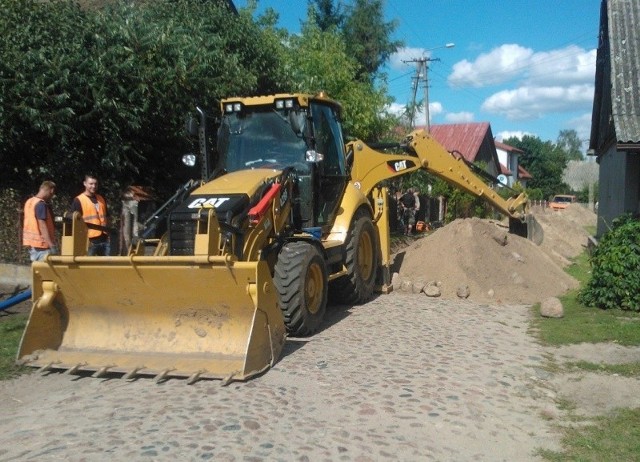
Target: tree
column 545, row 161
column 367, row 36
column 108, row 90
column 327, row 15
column 318, row 60
column 569, row 142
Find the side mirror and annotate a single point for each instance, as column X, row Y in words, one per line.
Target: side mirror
column 192, row 126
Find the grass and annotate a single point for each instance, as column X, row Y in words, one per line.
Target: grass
column 607, row 438
column 612, row 438
column 586, row 324
column 11, row 330
column 625, row 370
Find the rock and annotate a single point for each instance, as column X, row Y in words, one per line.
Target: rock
column 500, row 237
column 551, row 307
column 406, row 286
column 432, row 291
column 516, row 278
column 396, row 281
column 491, row 293
column 518, row 257
column 418, row 286
column 463, row 291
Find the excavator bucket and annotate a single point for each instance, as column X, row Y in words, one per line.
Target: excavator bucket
column 194, row 317
column 528, row 228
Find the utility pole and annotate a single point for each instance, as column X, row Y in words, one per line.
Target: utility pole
column 422, row 69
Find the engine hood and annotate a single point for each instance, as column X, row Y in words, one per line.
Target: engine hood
column 241, row 182
column 231, row 193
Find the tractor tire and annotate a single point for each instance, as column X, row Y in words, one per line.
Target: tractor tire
column 361, row 261
column 300, row 277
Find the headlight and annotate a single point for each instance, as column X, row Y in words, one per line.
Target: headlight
column 284, row 104
column 313, row 156
column 189, row 160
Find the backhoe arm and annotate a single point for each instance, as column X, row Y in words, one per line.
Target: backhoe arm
column 371, row 166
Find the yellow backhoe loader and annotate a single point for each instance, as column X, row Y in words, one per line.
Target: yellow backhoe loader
column 290, row 216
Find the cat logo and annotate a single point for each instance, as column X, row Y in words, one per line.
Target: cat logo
column 203, row 202
column 399, row 165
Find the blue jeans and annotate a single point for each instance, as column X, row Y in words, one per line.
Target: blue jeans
column 38, row 254
column 99, row 247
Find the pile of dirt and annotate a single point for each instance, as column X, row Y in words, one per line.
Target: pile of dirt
column 565, row 235
column 496, row 266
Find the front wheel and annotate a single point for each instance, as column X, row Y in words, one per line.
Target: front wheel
column 361, row 262
column 300, row 276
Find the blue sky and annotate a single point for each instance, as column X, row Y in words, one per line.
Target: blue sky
column 525, row 66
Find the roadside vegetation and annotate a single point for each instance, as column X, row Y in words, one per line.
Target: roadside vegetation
column 11, row 328
column 615, row 436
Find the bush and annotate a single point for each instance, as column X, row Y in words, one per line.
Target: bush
column 615, row 280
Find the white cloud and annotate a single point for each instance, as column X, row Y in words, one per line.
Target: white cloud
column 435, row 108
column 499, row 65
column 530, row 102
column 459, row 117
column 396, row 109
column 397, row 59
column 570, row 65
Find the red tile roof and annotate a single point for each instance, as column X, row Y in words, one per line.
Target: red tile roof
column 507, row 147
column 465, row 138
column 504, row 170
column 522, row 173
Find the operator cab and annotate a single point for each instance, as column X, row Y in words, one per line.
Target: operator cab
column 281, row 132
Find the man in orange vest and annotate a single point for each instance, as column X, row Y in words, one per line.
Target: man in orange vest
column 38, row 232
column 93, row 208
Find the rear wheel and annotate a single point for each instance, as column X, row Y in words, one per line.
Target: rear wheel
column 361, row 261
column 300, row 276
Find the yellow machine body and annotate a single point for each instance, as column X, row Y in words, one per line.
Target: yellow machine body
column 251, row 273
column 195, row 317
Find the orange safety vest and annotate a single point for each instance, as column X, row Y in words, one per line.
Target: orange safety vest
column 93, row 213
column 31, row 231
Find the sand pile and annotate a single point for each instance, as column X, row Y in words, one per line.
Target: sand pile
column 565, row 236
column 496, row 266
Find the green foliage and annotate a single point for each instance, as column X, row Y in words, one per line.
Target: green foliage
column 615, row 281
column 545, row 161
column 570, row 143
column 614, row 437
column 367, row 36
column 317, row 60
column 583, row 324
column 11, row 329
column 108, row 90
column 326, row 14
column 535, row 194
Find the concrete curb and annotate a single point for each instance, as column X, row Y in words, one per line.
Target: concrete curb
column 15, row 274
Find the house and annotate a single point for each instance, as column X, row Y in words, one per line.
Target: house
column 615, row 121
column 474, row 141
column 510, row 164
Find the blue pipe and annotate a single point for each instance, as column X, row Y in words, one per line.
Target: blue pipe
column 21, row 297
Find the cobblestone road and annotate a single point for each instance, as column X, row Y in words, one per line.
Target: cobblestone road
column 403, row 377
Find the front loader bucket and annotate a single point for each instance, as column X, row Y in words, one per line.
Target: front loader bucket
column 529, row 228
column 195, row 317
